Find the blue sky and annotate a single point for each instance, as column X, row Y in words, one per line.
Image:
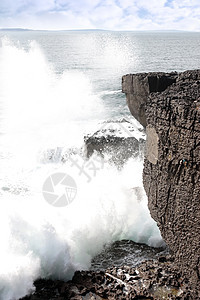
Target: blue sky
column 102, row 14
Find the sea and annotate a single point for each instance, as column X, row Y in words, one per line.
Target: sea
column 63, row 210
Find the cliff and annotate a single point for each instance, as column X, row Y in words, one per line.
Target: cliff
column 168, row 105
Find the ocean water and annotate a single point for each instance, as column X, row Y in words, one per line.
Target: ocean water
column 56, row 88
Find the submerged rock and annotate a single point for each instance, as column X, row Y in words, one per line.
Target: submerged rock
column 118, row 148
column 126, row 252
column 116, row 142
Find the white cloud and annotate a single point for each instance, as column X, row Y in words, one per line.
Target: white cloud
column 102, row 14
column 105, row 14
column 188, row 3
column 13, row 8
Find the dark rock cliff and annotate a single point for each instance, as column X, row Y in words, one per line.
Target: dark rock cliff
column 138, row 86
column 168, row 105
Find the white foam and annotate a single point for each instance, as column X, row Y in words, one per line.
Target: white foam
column 42, row 110
column 39, row 105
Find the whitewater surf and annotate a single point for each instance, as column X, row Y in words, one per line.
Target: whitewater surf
column 50, row 101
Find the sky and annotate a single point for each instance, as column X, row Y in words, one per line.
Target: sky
column 101, row 14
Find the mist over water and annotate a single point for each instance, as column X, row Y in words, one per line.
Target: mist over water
column 49, row 101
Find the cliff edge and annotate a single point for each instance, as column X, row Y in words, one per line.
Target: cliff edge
column 168, row 105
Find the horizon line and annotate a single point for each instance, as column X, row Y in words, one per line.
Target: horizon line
column 95, row 29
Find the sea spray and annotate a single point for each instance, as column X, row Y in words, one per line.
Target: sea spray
column 60, row 240
column 42, row 110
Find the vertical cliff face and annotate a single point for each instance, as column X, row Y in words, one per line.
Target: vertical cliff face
column 138, row 87
column 171, row 175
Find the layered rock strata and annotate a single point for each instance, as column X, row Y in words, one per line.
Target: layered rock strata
column 170, row 111
column 138, row 87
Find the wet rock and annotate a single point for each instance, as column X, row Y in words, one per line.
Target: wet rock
column 162, row 259
column 125, row 252
column 127, row 147
column 116, row 142
column 145, row 284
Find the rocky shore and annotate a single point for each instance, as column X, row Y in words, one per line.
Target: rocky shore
column 150, row 280
column 168, row 106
